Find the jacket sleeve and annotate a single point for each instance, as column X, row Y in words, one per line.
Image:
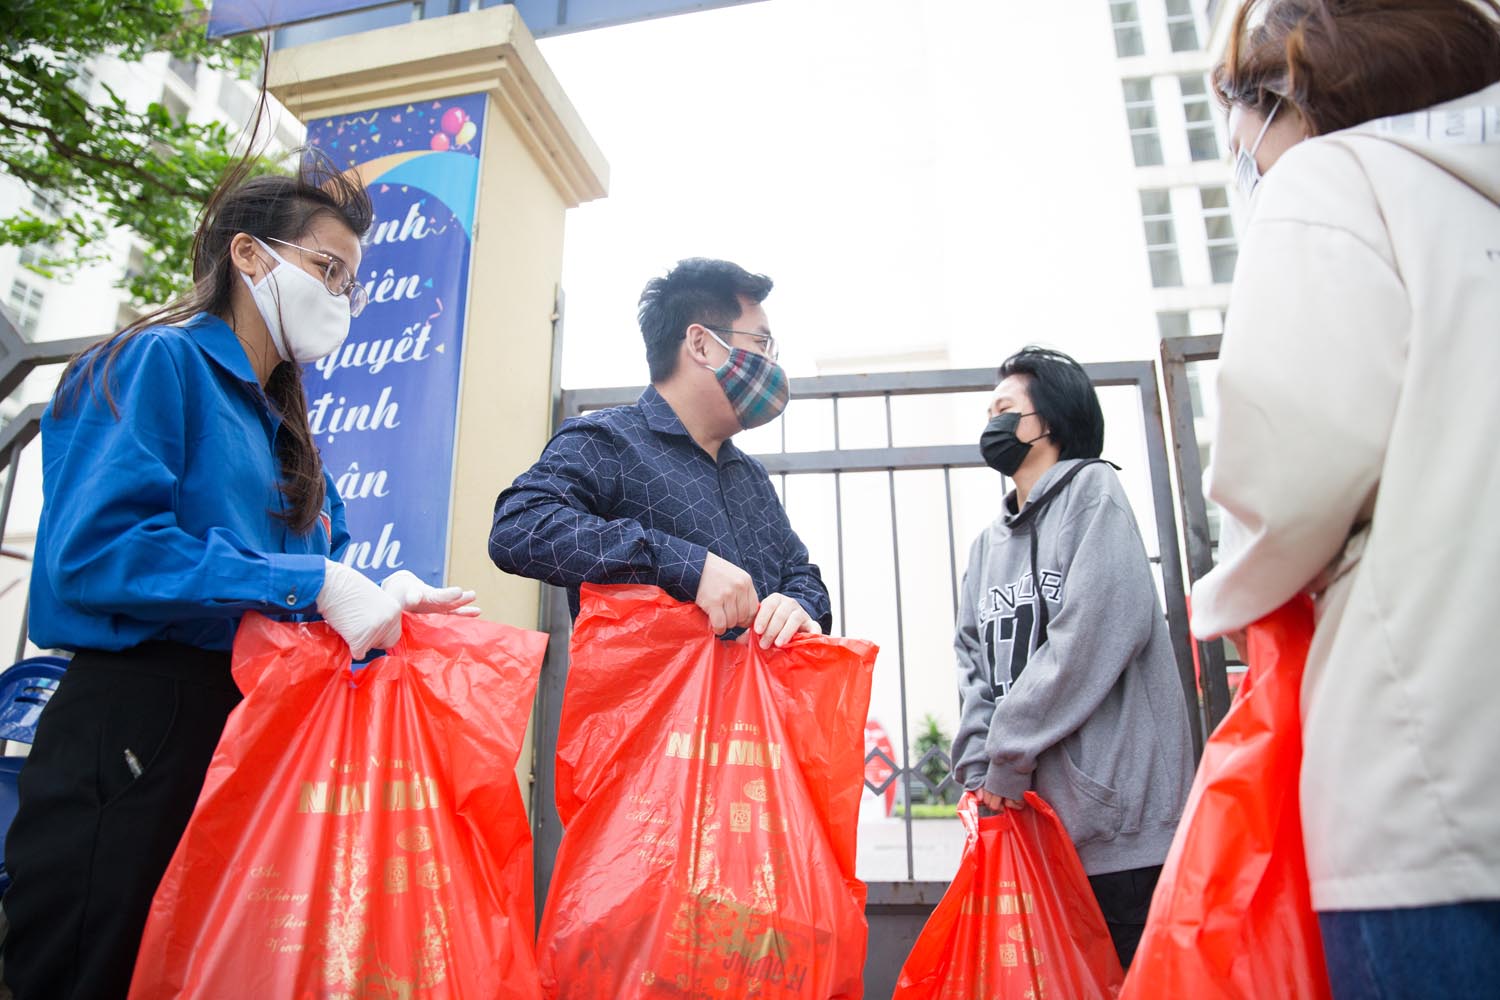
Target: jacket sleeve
column 338, row 538
column 1102, row 620
column 800, row 578
column 976, row 694
column 114, row 545
column 1309, row 379
column 551, row 524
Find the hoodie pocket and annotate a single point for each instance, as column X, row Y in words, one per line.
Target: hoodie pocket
column 1090, row 810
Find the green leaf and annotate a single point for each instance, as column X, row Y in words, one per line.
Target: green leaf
column 98, row 164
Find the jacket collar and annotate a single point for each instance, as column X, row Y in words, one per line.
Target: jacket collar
column 217, row 341
column 214, row 338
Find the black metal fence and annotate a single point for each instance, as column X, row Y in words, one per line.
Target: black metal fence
column 1182, row 361
column 19, row 357
column 897, row 905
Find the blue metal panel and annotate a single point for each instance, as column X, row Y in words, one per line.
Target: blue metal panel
column 342, row 24
column 556, row 17
column 541, row 16
column 234, row 17
column 302, row 21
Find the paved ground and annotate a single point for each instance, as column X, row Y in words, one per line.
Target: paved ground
column 936, row 846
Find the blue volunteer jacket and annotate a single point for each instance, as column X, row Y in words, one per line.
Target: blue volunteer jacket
column 159, row 523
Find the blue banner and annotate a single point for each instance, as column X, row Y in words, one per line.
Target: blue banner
column 384, row 406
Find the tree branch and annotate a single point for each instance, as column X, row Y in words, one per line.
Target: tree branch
column 69, row 151
column 75, row 100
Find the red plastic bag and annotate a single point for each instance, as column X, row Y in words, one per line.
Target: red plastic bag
column 1232, row 916
column 359, row 834
column 710, row 792
column 1018, row 922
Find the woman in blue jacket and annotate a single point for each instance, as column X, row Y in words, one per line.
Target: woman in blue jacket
column 182, row 488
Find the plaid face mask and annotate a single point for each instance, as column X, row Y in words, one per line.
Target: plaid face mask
column 757, row 387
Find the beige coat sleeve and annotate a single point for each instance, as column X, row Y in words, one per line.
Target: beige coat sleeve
column 1309, row 382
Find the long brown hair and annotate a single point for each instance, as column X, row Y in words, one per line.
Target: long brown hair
column 1344, row 62
column 267, row 206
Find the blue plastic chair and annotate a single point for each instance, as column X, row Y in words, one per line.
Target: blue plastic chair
column 25, row 689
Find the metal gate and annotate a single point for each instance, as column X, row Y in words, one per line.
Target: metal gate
column 899, row 902
column 19, row 357
column 1182, row 361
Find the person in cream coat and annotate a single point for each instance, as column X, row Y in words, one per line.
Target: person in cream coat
column 1357, row 448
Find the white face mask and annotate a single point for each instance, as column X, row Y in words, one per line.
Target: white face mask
column 1246, row 171
column 317, row 320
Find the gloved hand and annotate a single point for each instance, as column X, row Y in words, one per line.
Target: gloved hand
column 414, row 595
column 364, row 615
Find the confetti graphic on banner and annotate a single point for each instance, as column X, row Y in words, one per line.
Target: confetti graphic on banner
column 450, row 125
column 383, row 407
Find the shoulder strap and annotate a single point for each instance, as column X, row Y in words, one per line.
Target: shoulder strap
column 1028, row 519
column 1034, row 508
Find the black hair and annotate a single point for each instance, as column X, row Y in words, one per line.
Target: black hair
column 1063, row 396
column 697, row 290
column 267, row 206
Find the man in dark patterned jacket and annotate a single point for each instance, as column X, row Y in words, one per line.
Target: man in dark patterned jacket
column 656, row 492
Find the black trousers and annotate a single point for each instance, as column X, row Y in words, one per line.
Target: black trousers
column 92, row 838
column 1125, row 898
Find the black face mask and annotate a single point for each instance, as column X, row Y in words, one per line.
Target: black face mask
column 1002, row 450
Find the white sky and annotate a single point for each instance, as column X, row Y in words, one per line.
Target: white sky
column 914, row 176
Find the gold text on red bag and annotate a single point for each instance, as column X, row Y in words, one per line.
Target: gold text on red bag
column 402, row 795
column 738, row 750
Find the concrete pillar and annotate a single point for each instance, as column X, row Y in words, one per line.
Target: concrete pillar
column 377, row 101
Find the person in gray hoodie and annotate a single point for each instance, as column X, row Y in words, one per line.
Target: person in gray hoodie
column 1067, row 682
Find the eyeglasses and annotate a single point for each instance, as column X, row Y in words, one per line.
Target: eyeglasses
column 765, row 340
column 336, row 277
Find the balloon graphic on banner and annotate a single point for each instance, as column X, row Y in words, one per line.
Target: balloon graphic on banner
column 453, row 120
column 440, row 143
column 465, row 134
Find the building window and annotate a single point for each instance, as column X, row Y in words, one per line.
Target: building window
column 186, row 70
column 176, row 106
column 1173, row 324
column 236, row 103
column 1219, row 226
column 34, row 254
column 1140, row 113
column 1197, row 109
column 135, row 262
column 1182, row 28
column 25, row 305
column 1127, row 21
column 1195, row 394
column 1161, row 238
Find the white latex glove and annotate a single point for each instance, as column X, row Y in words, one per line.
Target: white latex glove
column 364, row 615
column 415, row 596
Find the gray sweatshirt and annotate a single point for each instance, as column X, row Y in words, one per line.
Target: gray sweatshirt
column 1092, row 716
